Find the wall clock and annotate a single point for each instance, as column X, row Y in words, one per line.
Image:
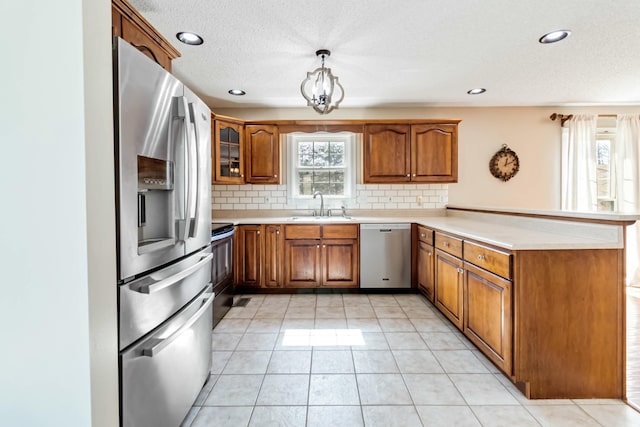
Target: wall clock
column 504, row 164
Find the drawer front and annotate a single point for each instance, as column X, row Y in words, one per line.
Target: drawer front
column 302, row 232
column 425, row 235
column 340, row 231
column 489, row 259
column 449, row 244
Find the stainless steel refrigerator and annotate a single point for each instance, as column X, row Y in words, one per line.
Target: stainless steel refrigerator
column 163, row 170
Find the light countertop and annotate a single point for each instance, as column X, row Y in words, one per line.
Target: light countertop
column 506, row 231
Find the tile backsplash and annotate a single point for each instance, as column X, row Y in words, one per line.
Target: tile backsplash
column 368, row 196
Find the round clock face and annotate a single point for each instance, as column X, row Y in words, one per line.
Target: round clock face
column 504, row 164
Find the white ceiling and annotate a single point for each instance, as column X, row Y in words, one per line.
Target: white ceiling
column 407, row 53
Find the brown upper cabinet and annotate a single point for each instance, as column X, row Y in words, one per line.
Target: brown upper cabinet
column 262, row 154
column 394, row 153
column 227, row 152
column 128, row 24
column 386, row 153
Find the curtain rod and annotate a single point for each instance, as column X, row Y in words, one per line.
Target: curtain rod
column 564, row 117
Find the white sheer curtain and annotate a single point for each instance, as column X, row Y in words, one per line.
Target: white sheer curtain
column 579, row 191
column 628, row 186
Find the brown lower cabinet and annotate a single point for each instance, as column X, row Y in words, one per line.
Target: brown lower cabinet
column 259, row 256
column 311, row 256
column 488, row 315
column 273, row 256
column 551, row 320
column 249, row 255
column 449, row 275
column 425, row 262
column 321, row 256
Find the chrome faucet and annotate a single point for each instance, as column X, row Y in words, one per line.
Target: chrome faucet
column 317, row 193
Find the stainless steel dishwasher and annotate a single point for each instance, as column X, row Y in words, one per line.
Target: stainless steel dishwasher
column 385, row 255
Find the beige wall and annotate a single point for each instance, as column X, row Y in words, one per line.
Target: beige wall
column 527, row 130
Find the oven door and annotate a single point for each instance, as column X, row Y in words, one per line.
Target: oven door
column 222, row 247
column 222, row 276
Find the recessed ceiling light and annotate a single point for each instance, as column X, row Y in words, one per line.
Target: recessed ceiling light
column 189, row 38
column 476, row 91
column 237, row 92
column 554, row 36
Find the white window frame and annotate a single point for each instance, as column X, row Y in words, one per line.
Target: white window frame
column 608, row 134
column 350, row 140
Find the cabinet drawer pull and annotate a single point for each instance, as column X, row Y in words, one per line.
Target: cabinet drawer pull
column 414, row 174
column 445, row 244
column 481, row 257
column 318, row 246
column 408, row 175
column 429, row 253
column 324, row 246
column 423, row 235
column 275, row 176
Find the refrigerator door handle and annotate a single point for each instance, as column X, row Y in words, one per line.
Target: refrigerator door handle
column 185, row 116
column 160, row 343
column 180, row 113
column 158, row 285
column 194, row 218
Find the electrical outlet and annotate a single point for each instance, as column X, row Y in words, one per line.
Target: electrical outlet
column 442, row 199
column 419, row 200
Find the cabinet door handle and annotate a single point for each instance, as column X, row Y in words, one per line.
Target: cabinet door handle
column 277, row 231
column 429, row 253
column 414, row 174
column 275, row 176
column 318, row 246
column 324, row 246
column 460, row 270
column 258, row 233
column 408, row 175
column 481, row 257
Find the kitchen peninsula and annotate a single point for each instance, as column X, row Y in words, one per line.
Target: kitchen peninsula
column 540, row 293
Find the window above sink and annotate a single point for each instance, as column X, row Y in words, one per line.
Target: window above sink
column 324, row 162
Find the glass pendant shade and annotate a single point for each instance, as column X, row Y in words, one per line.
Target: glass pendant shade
column 321, row 88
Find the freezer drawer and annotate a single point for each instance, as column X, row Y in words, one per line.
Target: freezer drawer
column 163, row 373
column 147, row 302
column 385, row 255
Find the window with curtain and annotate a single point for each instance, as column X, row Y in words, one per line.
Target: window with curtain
column 601, row 172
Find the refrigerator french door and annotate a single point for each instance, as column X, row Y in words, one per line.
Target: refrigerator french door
column 163, row 170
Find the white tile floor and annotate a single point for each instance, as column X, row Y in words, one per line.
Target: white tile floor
column 366, row 360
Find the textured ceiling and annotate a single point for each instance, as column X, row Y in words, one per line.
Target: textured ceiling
column 407, row 53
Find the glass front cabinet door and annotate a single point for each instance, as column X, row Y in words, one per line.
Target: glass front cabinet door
column 228, row 162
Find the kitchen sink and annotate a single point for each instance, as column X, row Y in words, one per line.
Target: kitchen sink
column 322, row 218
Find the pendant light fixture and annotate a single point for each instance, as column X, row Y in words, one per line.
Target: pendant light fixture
column 321, row 88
